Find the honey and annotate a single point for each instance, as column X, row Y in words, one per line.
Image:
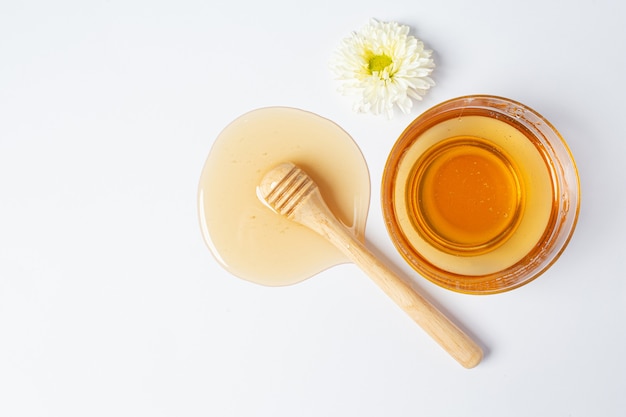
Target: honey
column 480, row 194
column 437, row 165
column 465, row 194
column 246, row 237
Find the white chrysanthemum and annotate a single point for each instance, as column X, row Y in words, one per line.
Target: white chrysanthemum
column 382, row 66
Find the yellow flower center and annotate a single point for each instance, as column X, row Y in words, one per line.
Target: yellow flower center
column 378, row 63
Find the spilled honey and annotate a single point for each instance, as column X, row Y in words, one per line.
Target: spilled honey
column 247, row 238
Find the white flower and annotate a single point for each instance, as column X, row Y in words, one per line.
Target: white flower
column 382, row 66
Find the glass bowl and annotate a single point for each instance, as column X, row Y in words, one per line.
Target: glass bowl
column 480, row 194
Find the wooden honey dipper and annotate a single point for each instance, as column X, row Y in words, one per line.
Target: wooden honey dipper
column 290, row 192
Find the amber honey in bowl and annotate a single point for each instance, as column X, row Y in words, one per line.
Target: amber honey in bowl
column 465, row 195
column 480, row 194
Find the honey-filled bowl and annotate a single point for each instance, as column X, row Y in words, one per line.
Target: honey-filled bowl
column 480, row 194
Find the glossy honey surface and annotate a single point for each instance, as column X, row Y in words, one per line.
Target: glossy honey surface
column 246, row 237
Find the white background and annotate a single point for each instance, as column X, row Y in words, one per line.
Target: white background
column 110, row 303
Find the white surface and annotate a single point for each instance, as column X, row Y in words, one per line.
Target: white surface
column 110, row 304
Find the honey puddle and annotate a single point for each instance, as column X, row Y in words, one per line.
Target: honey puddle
column 247, row 238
